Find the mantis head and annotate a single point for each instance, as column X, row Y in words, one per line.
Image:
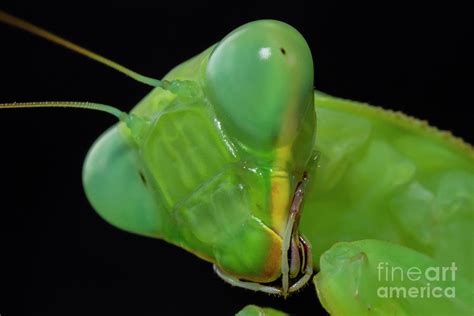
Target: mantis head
column 239, row 211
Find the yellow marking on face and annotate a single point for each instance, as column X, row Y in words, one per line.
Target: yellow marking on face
column 280, row 197
column 280, row 180
column 272, row 269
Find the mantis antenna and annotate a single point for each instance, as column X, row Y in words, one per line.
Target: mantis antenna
column 26, row 26
column 66, row 104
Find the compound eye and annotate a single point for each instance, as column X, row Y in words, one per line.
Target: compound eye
column 259, row 79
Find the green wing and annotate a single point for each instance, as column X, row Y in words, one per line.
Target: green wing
column 356, row 279
column 383, row 175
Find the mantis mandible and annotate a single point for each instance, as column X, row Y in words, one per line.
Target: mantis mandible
column 269, row 150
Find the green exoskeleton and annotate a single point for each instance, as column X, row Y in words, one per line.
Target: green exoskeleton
column 222, row 154
column 212, row 165
column 373, row 277
column 215, row 159
column 403, row 181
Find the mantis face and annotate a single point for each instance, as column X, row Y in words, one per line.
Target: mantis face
column 215, row 161
column 259, row 79
column 246, row 109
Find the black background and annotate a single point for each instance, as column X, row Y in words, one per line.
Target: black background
column 62, row 257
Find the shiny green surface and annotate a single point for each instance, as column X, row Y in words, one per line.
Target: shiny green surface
column 208, row 188
column 205, row 190
column 193, row 165
column 185, row 187
column 385, row 176
column 356, row 279
column 114, row 186
column 259, row 77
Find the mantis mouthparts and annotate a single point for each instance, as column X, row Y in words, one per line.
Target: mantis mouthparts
column 296, row 255
column 296, row 249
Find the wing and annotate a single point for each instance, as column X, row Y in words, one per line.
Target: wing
column 383, row 175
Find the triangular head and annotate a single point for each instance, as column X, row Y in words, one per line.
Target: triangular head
column 215, row 159
column 220, row 151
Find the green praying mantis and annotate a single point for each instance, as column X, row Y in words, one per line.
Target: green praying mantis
column 221, row 155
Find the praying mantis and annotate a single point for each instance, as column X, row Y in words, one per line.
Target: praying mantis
column 358, row 128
